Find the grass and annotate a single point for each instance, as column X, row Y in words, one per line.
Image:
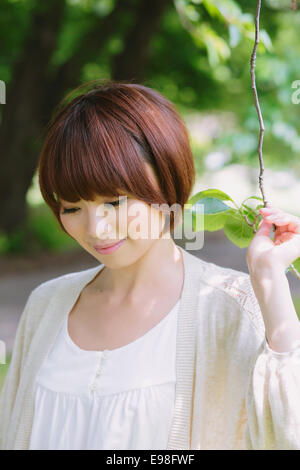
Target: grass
column 4, row 367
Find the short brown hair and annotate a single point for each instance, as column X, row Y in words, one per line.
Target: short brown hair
column 98, row 141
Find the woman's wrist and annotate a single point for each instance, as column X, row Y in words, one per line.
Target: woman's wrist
column 273, row 294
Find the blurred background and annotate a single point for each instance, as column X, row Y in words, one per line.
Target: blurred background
column 196, row 53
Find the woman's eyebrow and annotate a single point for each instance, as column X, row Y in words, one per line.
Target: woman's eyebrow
column 61, row 200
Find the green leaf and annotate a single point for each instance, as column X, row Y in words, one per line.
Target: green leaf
column 228, row 9
column 234, row 35
column 214, row 212
column 216, row 46
column 215, row 222
column 253, row 197
column 212, row 205
column 237, row 230
column 265, row 38
column 214, row 193
column 250, row 213
column 212, row 9
column 248, row 208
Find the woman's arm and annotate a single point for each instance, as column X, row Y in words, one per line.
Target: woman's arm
column 267, row 261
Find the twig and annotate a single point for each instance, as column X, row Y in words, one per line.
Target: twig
column 261, row 123
column 256, row 102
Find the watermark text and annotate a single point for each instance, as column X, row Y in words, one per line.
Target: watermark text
column 2, row 92
column 2, row 352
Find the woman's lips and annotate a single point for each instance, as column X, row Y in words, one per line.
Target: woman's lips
column 109, row 249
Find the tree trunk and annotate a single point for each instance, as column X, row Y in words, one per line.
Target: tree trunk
column 31, row 97
column 67, row 76
column 130, row 63
column 21, row 120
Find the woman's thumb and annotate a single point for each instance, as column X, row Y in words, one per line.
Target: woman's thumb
column 264, row 228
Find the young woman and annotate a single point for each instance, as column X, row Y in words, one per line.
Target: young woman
column 154, row 348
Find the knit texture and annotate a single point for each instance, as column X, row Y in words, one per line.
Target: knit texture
column 232, row 390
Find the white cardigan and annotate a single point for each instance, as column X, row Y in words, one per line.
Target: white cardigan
column 232, row 390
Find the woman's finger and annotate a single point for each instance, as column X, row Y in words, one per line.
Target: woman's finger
column 291, row 222
column 278, row 220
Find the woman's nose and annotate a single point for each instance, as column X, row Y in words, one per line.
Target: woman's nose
column 101, row 226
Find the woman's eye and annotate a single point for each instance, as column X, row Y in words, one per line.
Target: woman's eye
column 116, row 203
column 75, row 209
column 70, row 211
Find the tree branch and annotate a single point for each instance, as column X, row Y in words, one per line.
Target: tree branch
column 256, row 102
column 261, row 124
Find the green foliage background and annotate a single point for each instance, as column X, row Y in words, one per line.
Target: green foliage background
column 200, row 60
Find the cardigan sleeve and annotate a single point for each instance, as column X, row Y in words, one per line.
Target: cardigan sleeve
column 9, row 388
column 273, row 401
column 272, row 379
column 273, row 390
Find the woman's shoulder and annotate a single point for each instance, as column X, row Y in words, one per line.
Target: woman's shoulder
column 231, row 287
column 50, row 294
column 59, row 287
column 64, row 281
column 232, row 281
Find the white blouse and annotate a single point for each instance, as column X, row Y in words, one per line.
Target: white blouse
column 115, row 399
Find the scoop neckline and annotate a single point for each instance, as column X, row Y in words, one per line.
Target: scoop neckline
column 126, row 346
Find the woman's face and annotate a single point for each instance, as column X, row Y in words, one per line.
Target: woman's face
column 109, row 220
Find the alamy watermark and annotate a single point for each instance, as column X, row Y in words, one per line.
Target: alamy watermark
column 296, row 94
column 2, row 92
column 138, row 226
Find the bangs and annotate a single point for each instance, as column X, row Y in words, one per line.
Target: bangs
column 94, row 153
